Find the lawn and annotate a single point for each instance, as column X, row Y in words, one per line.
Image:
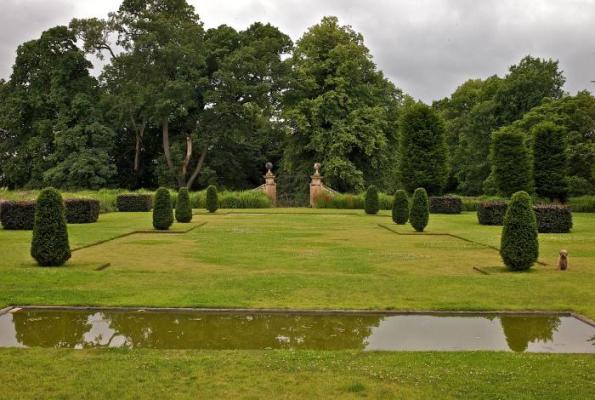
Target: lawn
column 307, row 259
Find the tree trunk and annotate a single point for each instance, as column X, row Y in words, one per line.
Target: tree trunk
column 198, row 168
column 167, row 153
column 137, row 150
column 188, row 155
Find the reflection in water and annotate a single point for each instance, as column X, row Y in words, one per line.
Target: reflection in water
column 195, row 330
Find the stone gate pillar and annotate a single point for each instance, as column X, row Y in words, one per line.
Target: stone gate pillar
column 315, row 185
column 270, row 186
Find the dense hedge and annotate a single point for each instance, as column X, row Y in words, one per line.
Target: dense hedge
column 446, row 205
column 183, row 207
column 212, row 203
column 134, row 202
column 49, row 245
column 491, row 212
column 519, row 246
column 400, row 211
column 511, row 166
column 18, row 215
column 552, row 218
column 420, row 210
column 81, row 211
column 163, row 215
column 372, row 205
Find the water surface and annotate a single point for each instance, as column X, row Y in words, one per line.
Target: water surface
column 80, row 329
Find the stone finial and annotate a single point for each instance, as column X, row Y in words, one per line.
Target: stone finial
column 317, row 169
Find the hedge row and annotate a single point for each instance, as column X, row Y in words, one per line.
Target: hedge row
column 134, row 202
column 446, row 205
column 551, row 218
column 20, row 215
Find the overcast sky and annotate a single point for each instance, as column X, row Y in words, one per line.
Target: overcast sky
column 426, row 47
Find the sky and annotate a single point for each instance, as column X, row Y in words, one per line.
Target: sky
column 426, row 47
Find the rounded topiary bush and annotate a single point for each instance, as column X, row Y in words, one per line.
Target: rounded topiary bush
column 401, row 208
column 163, row 216
column 519, row 246
column 372, row 205
column 50, row 246
column 212, row 201
column 420, row 210
column 183, row 207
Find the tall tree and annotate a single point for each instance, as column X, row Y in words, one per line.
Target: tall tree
column 341, row 110
column 510, row 161
column 549, row 161
column 422, row 150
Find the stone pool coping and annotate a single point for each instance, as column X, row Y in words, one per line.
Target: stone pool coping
column 388, row 313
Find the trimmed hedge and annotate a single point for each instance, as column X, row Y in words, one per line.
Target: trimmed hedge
column 553, row 218
column 212, row 203
column 163, row 214
column 371, row 204
column 419, row 215
column 134, row 202
column 492, row 212
column 49, row 245
column 183, row 207
column 519, row 246
column 81, row 211
column 18, row 215
column 446, row 205
column 400, row 212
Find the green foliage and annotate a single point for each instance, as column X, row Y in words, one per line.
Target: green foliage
column 17, row 215
column 582, row 204
column 49, row 245
column 422, row 150
column 81, row 211
column 163, row 215
column 134, row 202
column 510, row 160
column 372, row 205
column 183, row 206
column 446, row 205
column 550, row 161
column 212, row 202
column 519, row 245
column 342, row 110
column 492, row 212
column 419, row 215
column 553, row 218
column 347, row 201
column 400, row 211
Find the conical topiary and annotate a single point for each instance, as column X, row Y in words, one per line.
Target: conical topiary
column 420, row 210
column 371, row 202
column 212, row 199
column 519, row 246
column 49, row 246
column 183, row 207
column 163, row 215
column 401, row 208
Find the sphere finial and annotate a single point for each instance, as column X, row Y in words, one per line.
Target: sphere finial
column 269, row 166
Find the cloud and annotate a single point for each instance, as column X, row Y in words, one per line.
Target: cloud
column 426, row 47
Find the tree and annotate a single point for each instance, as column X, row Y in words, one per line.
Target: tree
column 49, row 245
column 163, row 216
column 549, row 161
column 372, row 205
column 422, row 150
column 183, row 206
column 341, row 110
column 519, row 245
column 400, row 211
column 510, row 160
column 420, row 210
column 212, row 199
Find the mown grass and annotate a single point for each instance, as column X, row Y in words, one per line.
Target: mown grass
column 297, row 258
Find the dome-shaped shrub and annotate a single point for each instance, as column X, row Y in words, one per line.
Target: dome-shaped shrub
column 163, row 216
column 183, row 206
column 401, row 208
column 519, row 245
column 49, row 246
column 372, row 203
column 420, row 210
column 212, row 199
